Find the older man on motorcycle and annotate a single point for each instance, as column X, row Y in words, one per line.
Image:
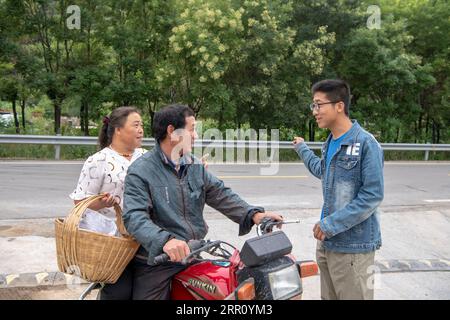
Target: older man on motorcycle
column 165, row 193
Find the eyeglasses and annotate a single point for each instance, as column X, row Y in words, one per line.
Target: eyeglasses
column 313, row 106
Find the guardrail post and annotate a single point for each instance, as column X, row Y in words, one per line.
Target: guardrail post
column 58, row 149
column 427, row 153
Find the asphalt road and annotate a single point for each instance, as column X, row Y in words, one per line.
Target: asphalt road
column 36, row 189
column 415, row 221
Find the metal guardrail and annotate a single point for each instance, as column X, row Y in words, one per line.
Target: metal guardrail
column 58, row 141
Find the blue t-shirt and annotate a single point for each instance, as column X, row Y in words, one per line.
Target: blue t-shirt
column 333, row 147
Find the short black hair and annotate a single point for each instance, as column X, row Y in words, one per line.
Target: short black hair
column 336, row 90
column 173, row 114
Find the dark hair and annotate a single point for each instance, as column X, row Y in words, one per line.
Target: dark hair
column 174, row 114
column 116, row 119
column 336, row 90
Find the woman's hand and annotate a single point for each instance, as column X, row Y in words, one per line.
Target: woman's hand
column 107, row 201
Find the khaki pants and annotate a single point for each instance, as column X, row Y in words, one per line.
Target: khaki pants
column 345, row 276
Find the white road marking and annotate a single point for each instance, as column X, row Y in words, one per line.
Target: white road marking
column 384, row 263
column 11, row 277
column 427, row 262
column 447, row 262
column 405, row 262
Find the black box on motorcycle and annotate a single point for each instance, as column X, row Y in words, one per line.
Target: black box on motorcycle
column 260, row 250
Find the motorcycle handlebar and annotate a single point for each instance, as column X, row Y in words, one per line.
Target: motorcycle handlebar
column 192, row 244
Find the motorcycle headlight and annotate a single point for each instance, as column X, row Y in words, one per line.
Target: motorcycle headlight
column 285, row 283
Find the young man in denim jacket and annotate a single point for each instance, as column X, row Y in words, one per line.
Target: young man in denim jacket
column 351, row 170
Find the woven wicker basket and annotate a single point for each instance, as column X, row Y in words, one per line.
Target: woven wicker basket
column 92, row 256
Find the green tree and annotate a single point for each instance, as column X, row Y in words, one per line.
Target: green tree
column 18, row 65
column 385, row 78
column 137, row 33
column 429, row 24
column 45, row 22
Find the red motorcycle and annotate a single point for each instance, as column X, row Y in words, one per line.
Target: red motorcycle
column 263, row 270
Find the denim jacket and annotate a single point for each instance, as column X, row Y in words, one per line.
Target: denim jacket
column 353, row 189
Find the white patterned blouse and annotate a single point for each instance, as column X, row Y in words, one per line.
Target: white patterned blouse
column 104, row 171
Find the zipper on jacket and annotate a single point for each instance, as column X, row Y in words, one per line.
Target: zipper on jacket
column 184, row 205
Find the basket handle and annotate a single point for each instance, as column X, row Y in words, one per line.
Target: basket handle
column 74, row 218
column 119, row 221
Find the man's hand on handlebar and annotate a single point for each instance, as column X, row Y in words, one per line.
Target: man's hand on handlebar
column 258, row 217
column 176, row 249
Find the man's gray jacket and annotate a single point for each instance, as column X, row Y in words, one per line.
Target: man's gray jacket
column 160, row 205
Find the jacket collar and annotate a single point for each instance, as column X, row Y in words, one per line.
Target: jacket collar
column 184, row 160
